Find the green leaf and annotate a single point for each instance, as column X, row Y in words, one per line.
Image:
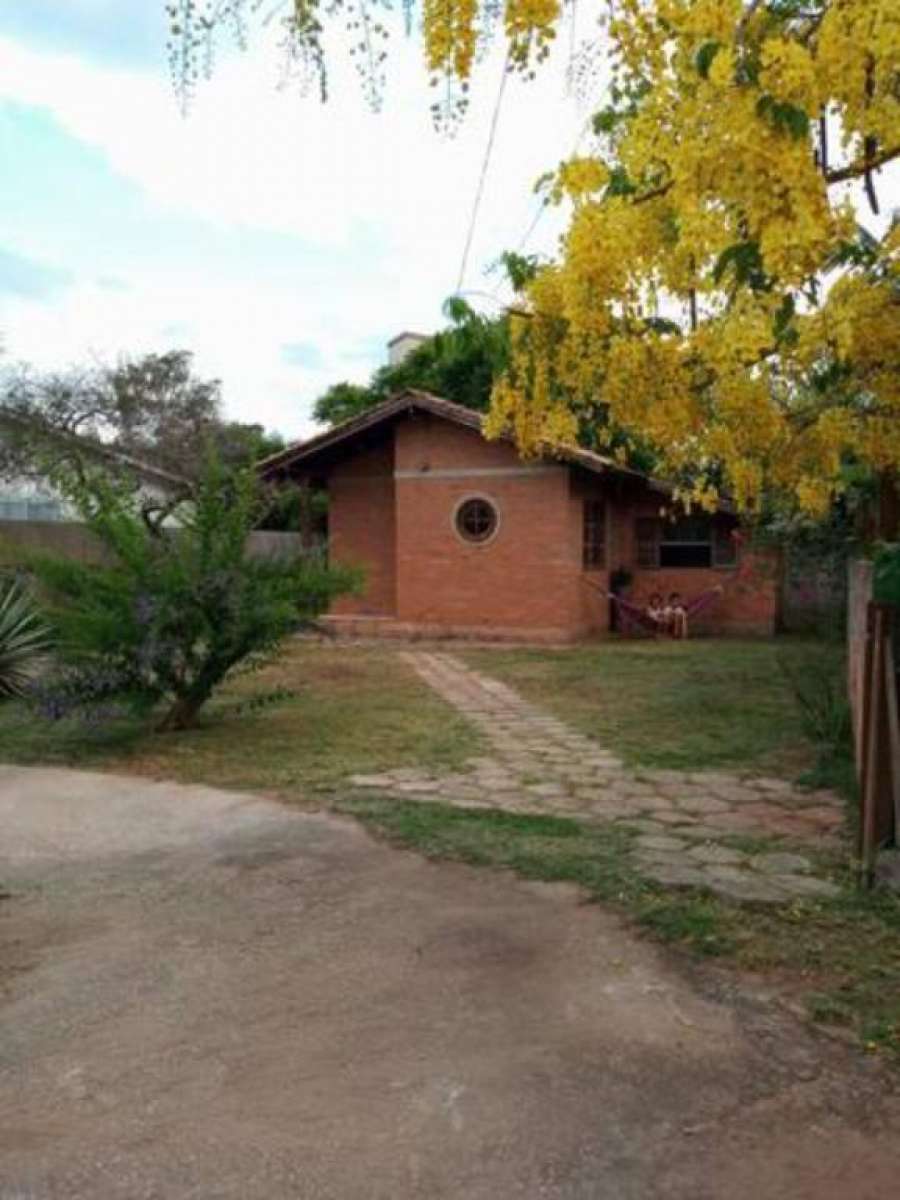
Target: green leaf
column 619, row 183
column 705, row 55
column 782, row 327
column 605, row 121
column 24, row 640
column 662, row 325
column 787, row 118
column 745, row 260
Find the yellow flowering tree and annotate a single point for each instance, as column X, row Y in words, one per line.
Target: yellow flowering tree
column 715, row 296
column 715, row 293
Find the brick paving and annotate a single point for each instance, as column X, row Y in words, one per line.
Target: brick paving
column 538, row 764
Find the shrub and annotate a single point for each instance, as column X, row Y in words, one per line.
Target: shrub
column 24, row 639
column 816, row 676
column 176, row 609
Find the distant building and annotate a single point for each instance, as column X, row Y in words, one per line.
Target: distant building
column 33, row 498
column 404, row 344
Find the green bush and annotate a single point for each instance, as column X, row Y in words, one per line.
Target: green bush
column 24, row 639
column 177, row 609
column 816, row 674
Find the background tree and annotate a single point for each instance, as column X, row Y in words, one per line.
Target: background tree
column 146, row 410
column 175, row 611
column 152, row 408
column 459, row 363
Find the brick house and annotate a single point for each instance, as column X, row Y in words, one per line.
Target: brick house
column 461, row 537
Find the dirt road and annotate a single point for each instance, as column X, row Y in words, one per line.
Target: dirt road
column 209, row 996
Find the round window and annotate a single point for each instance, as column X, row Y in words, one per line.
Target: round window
column 476, row 520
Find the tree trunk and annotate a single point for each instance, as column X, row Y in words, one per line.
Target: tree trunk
column 182, row 714
column 888, row 507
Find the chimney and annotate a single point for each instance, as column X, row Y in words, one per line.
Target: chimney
column 403, row 344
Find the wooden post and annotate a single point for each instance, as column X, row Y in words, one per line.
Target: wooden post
column 879, row 737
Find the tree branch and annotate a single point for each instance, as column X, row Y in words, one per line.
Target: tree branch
column 862, row 165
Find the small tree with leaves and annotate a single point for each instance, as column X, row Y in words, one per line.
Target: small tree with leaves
column 175, row 610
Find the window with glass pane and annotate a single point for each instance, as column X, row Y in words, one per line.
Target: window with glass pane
column 593, row 544
column 646, row 535
column 476, row 520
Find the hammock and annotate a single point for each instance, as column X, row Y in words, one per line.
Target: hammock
column 636, row 617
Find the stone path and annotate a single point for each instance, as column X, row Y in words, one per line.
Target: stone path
column 708, row 829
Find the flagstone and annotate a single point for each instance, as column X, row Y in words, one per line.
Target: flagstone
column 710, row 779
column 659, row 776
column 674, row 875
column 806, row 885
column 672, row 818
column 701, row 804
column 663, row 858
column 656, row 803
column 659, row 842
column 781, row 863
column 826, row 816
column 745, row 888
column 732, row 822
column 778, row 786
column 716, row 855
column 734, row 793
column 700, row 833
column 538, row 764
column 642, row 825
column 545, row 789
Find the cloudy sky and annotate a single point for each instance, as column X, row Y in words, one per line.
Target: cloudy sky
column 283, row 241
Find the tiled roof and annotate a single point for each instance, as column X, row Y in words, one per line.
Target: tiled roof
column 412, row 400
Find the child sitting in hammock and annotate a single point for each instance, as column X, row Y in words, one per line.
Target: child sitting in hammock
column 675, row 616
column 656, row 610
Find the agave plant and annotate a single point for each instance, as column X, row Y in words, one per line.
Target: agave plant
column 24, row 640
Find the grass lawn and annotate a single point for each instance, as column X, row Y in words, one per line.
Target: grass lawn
column 839, row 959
column 349, row 710
column 696, row 705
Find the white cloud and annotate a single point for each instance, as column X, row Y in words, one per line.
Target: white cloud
column 378, row 206
column 383, row 190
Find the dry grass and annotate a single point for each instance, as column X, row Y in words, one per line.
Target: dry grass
column 332, row 711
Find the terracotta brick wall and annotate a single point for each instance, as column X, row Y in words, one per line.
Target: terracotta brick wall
column 392, row 511
column 526, row 577
column 361, row 527
column 750, row 602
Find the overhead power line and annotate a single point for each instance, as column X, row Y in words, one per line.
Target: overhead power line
column 479, row 190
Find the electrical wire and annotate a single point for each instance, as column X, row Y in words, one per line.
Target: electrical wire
column 479, row 190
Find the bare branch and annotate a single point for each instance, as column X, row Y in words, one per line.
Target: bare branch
column 861, row 166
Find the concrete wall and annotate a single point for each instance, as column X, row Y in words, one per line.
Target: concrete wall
column 68, row 539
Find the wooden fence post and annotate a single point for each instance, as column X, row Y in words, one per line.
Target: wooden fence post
column 879, row 742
